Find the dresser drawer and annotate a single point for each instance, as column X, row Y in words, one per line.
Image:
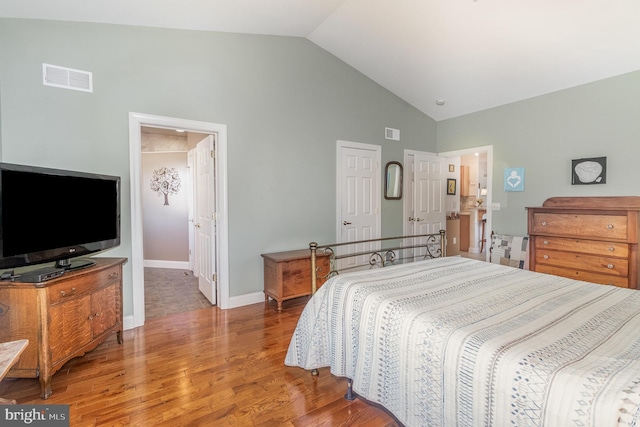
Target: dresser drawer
column 79, row 285
column 583, row 225
column 594, row 263
column 586, row 276
column 594, row 247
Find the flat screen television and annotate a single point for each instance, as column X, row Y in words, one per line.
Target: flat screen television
column 56, row 215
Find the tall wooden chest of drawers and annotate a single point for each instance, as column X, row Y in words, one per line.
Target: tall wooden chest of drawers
column 594, row 239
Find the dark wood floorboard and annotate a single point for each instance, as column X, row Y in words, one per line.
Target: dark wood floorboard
column 201, row 368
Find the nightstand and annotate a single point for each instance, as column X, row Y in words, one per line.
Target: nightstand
column 287, row 275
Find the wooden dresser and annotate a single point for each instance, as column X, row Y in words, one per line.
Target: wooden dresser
column 62, row 318
column 594, row 239
column 287, row 275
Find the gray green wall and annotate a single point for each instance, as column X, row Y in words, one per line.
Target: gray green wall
column 284, row 100
column 545, row 133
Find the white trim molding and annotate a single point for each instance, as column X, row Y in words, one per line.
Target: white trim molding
column 136, row 121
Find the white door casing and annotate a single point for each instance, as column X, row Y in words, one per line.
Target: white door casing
column 358, row 195
column 205, row 217
column 136, row 121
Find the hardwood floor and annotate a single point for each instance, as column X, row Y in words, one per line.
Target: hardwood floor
column 202, row 368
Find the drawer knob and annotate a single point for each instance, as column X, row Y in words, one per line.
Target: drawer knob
column 609, row 265
column 612, row 249
column 544, row 222
column 545, row 242
column 610, row 226
column 64, row 294
column 546, row 257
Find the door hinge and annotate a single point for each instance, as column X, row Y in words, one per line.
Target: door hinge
column 213, row 154
column 214, row 277
column 214, row 216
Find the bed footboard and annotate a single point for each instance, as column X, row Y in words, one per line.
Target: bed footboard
column 376, row 253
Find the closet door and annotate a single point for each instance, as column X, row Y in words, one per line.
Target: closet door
column 359, row 197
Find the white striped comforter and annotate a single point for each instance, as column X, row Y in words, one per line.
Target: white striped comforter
column 457, row 342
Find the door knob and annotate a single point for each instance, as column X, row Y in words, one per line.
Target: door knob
column 346, row 223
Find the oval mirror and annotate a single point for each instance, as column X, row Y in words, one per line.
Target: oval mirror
column 393, row 181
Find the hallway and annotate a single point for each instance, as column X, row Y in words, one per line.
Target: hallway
column 169, row 291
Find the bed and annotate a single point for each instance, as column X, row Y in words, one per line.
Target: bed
column 457, row 342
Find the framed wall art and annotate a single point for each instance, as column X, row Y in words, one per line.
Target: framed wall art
column 514, row 179
column 589, row 171
column 451, row 186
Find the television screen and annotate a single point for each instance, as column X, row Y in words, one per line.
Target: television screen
column 55, row 215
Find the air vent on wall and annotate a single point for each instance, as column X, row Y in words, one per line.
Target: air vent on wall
column 67, row 78
column 393, row 134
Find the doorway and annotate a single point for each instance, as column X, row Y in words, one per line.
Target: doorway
column 480, row 185
column 177, row 271
column 136, row 122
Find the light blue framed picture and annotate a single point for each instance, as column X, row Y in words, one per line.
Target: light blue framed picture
column 514, row 179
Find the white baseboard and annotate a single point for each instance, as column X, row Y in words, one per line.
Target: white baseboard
column 178, row 265
column 246, row 299
column 128, row 323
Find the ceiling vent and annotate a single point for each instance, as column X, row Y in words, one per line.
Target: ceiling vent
column 392, row 134
column 67, row 78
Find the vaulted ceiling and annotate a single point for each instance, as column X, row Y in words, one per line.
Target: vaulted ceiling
column 467, row 55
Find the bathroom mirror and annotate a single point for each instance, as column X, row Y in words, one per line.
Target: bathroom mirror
column 393, row 181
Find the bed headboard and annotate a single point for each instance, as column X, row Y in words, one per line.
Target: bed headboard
column 374, row 253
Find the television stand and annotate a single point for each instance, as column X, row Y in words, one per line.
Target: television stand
column 62, row 318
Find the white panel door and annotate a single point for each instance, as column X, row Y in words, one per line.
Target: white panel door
column 205, row 224
column 191, row 167
column 359, row 197
column 428, row 214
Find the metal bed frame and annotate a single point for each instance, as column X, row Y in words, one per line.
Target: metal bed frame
column 392, row 251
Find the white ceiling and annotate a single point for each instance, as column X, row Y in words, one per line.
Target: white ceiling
column 473, row 55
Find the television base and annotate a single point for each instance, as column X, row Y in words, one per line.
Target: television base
column 75, row 264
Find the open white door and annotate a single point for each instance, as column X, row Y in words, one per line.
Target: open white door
column 191, row 210
column 425, row 213
column 205, row 215
column 359, row 196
